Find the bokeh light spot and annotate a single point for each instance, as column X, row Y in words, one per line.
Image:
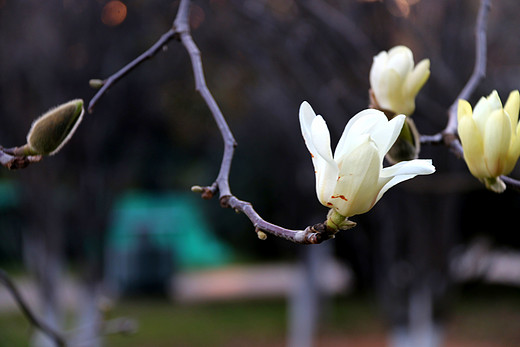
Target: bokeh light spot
column 113, row 13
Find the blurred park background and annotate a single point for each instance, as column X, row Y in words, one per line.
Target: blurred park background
column 108, row 227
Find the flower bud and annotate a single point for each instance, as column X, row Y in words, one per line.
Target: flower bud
column 96, row 83
column 490, row 137
column 52, row 131
column 394, row 81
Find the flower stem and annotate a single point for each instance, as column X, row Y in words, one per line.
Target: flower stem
column 334, row 220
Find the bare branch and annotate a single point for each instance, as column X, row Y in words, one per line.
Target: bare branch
column 511, row 183
column 26, row 310
column 479, row 69
column 148, row 54
column 449, row 134
column 310, row 235
column 181, row 30
column 13, row 162
column 181, row 26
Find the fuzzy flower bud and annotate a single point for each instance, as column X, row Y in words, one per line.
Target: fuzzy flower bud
column 53, row 130
column 490, row 137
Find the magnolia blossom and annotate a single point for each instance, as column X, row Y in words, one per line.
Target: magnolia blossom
column 490, row 136
column 394, row 80
column 353, row 180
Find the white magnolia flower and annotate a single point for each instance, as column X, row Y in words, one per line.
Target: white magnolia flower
column 490, row 136
column 353, row 180
column 394, row 80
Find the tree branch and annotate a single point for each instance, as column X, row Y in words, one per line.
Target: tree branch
column 181, row 26
column 181, row 30
column 479, row 69
column 26, row 310
column 13, row 162
column 311, row 235
column 449, row 136
column 148, row 54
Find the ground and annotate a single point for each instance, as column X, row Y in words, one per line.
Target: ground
column 481, row 316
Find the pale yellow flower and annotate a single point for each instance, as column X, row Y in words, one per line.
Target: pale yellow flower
column 395, row 82
column 490, row 137
column 353, row 180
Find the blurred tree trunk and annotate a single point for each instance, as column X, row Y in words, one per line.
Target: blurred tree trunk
column 416, row 237
column 307, row 299
column 92, row 216
column 44, row 259
column 89, row 318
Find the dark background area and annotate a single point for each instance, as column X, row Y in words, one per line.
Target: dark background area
column 153, row 132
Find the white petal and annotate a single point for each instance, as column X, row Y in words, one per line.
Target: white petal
column 403, row 171
column 326, row 179
column 357, row 184
column 364, row 122
column 315, row 133
column 386, row 134
column 378, row 65
column 400, row 60
column 317, row 139
column 410, row 167
column 307, row 115
column 389, row 91
column 321, row 138
column 417, row 78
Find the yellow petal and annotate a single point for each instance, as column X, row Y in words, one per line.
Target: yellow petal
column 464, row 109
column 514, row 151
column 481, row 113
column 473, row 146
column 494, row 101
column 497, row 139
column 512, row 107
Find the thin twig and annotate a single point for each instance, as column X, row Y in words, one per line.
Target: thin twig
column 181, row 26
column 26, row 310
column 311, row 235
column 13, row 162
column 448, row 135
column 511, row 183
column 479, row 69
column 148, row 54
column 181, row 29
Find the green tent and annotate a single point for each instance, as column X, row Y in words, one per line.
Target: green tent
column 152, row 235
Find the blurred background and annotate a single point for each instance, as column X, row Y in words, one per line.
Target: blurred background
column 108, row 228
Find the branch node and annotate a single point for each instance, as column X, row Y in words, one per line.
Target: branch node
column 224, row 201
